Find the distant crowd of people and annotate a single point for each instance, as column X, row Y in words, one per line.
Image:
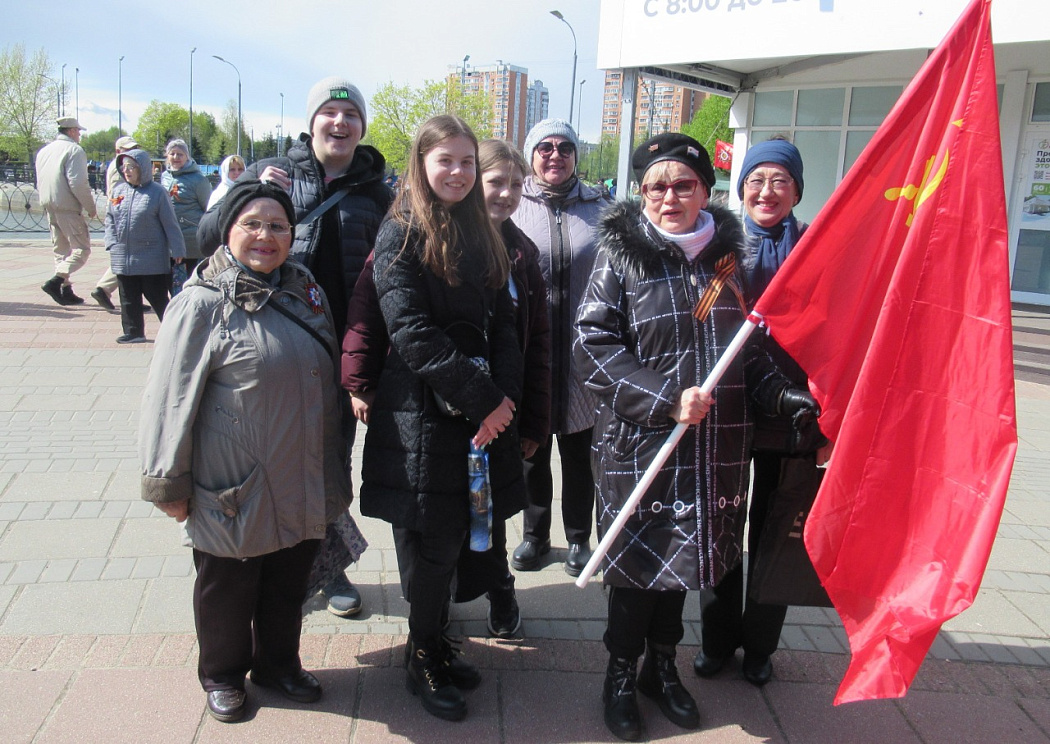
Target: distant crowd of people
column 471, row 314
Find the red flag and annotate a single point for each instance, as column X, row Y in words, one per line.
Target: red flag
column 897, row 304
column 723, row 155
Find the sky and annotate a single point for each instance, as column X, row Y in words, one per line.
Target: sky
column 285, row 47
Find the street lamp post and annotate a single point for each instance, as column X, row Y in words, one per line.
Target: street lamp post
column 463, row 74
column 191, row 102
column 120, row 94
column 579, row 111
column 216, row 56
column 280, row 142
column 76, row 87
column 572, row 88
column 63, row 94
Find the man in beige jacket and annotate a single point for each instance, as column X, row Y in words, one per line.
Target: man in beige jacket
column 65, row 195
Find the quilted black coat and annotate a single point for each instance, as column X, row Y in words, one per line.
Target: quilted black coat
column 638, row 347
column 414, row 472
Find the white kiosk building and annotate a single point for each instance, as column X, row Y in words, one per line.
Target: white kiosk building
column 826, row 72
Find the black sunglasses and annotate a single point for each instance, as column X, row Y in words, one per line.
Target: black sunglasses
column 565, row 149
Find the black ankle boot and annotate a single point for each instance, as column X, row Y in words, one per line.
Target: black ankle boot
column 621, row 704
column 463, row 675
column 428, row 677
column 659, row 681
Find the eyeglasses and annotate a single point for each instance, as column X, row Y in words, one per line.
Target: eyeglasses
column 683, row 189
column 777, row 183
column 565, row 149
column 128, row 166
column 256, row 226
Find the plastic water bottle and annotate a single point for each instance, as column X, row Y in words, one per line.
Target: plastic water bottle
column 480, row 499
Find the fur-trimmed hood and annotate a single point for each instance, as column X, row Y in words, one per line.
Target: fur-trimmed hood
column 634, row 246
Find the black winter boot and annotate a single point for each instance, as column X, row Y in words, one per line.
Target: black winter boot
column 428, row 678
column 463, row 675
column 659, row 681
column 621, row 704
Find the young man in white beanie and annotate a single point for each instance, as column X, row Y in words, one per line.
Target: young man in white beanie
column 336, row 185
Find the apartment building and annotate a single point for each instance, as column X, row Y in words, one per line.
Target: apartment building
column 507, row 87
column 659, row 106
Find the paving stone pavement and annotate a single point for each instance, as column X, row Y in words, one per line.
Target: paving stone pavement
column 96, row 625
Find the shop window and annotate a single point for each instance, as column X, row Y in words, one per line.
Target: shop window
column 820, row 107
column 856, row 141
column 773, row 108
column 821, row 170
column 1041, row 106
column 869, row 106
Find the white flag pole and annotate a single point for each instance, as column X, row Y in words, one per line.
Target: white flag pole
column 665, row 451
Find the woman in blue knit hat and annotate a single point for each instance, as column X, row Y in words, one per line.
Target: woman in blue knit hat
column 770, row 186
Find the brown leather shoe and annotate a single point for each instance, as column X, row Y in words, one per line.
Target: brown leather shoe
column 302, row 687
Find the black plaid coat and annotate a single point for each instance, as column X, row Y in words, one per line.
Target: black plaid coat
column 638, row 347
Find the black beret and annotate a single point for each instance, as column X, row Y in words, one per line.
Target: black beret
column 674, row 146
column 243, row 192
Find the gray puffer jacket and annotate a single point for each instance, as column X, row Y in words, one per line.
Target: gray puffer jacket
column 142, row 233
column 241, row 413
column 565, row 234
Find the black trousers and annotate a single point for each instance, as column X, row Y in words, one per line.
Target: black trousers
column 478, row 573
column 640, row 616
column 577, row 489
column 248, row 614
column 427, row 562
column 155, row 287
column 729, row 620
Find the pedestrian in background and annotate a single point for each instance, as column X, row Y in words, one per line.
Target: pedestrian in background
column 559, row 214
column 230, row 169
column 142, row 237
column 107, row 283
column 65, row 196
column 189, row 190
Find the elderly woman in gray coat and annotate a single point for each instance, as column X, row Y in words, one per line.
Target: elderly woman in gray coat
column 240, row 437
column 142, row 237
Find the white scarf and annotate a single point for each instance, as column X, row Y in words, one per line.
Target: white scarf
column 693, row 242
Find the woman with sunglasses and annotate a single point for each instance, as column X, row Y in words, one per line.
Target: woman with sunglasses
column 559, row 213
column 664, row 300
column 241, row 439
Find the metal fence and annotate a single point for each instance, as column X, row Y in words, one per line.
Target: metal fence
column 20, row 209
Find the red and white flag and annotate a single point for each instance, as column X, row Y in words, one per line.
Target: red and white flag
column 897, row 304
column 723, row 155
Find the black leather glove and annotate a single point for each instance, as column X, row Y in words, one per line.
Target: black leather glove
column 799, row 405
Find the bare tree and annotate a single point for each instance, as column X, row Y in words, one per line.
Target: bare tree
column 28, row 99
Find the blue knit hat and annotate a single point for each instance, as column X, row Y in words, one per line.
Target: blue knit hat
column 780, row 152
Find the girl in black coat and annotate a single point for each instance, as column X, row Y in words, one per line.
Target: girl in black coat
column 440, row 273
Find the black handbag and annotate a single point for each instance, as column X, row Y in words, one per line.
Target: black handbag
column 783, row 573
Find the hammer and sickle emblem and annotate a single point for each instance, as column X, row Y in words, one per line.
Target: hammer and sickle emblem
column 925, row 188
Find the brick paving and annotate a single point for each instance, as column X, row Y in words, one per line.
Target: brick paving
column 96, row 627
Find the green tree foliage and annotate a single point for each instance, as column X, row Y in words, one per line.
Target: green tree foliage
column 99, row 145
column 397, row 111
column 599, row 163
column 161, row 122
column 225, row 141
column 28, row 101
column 711, row 123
